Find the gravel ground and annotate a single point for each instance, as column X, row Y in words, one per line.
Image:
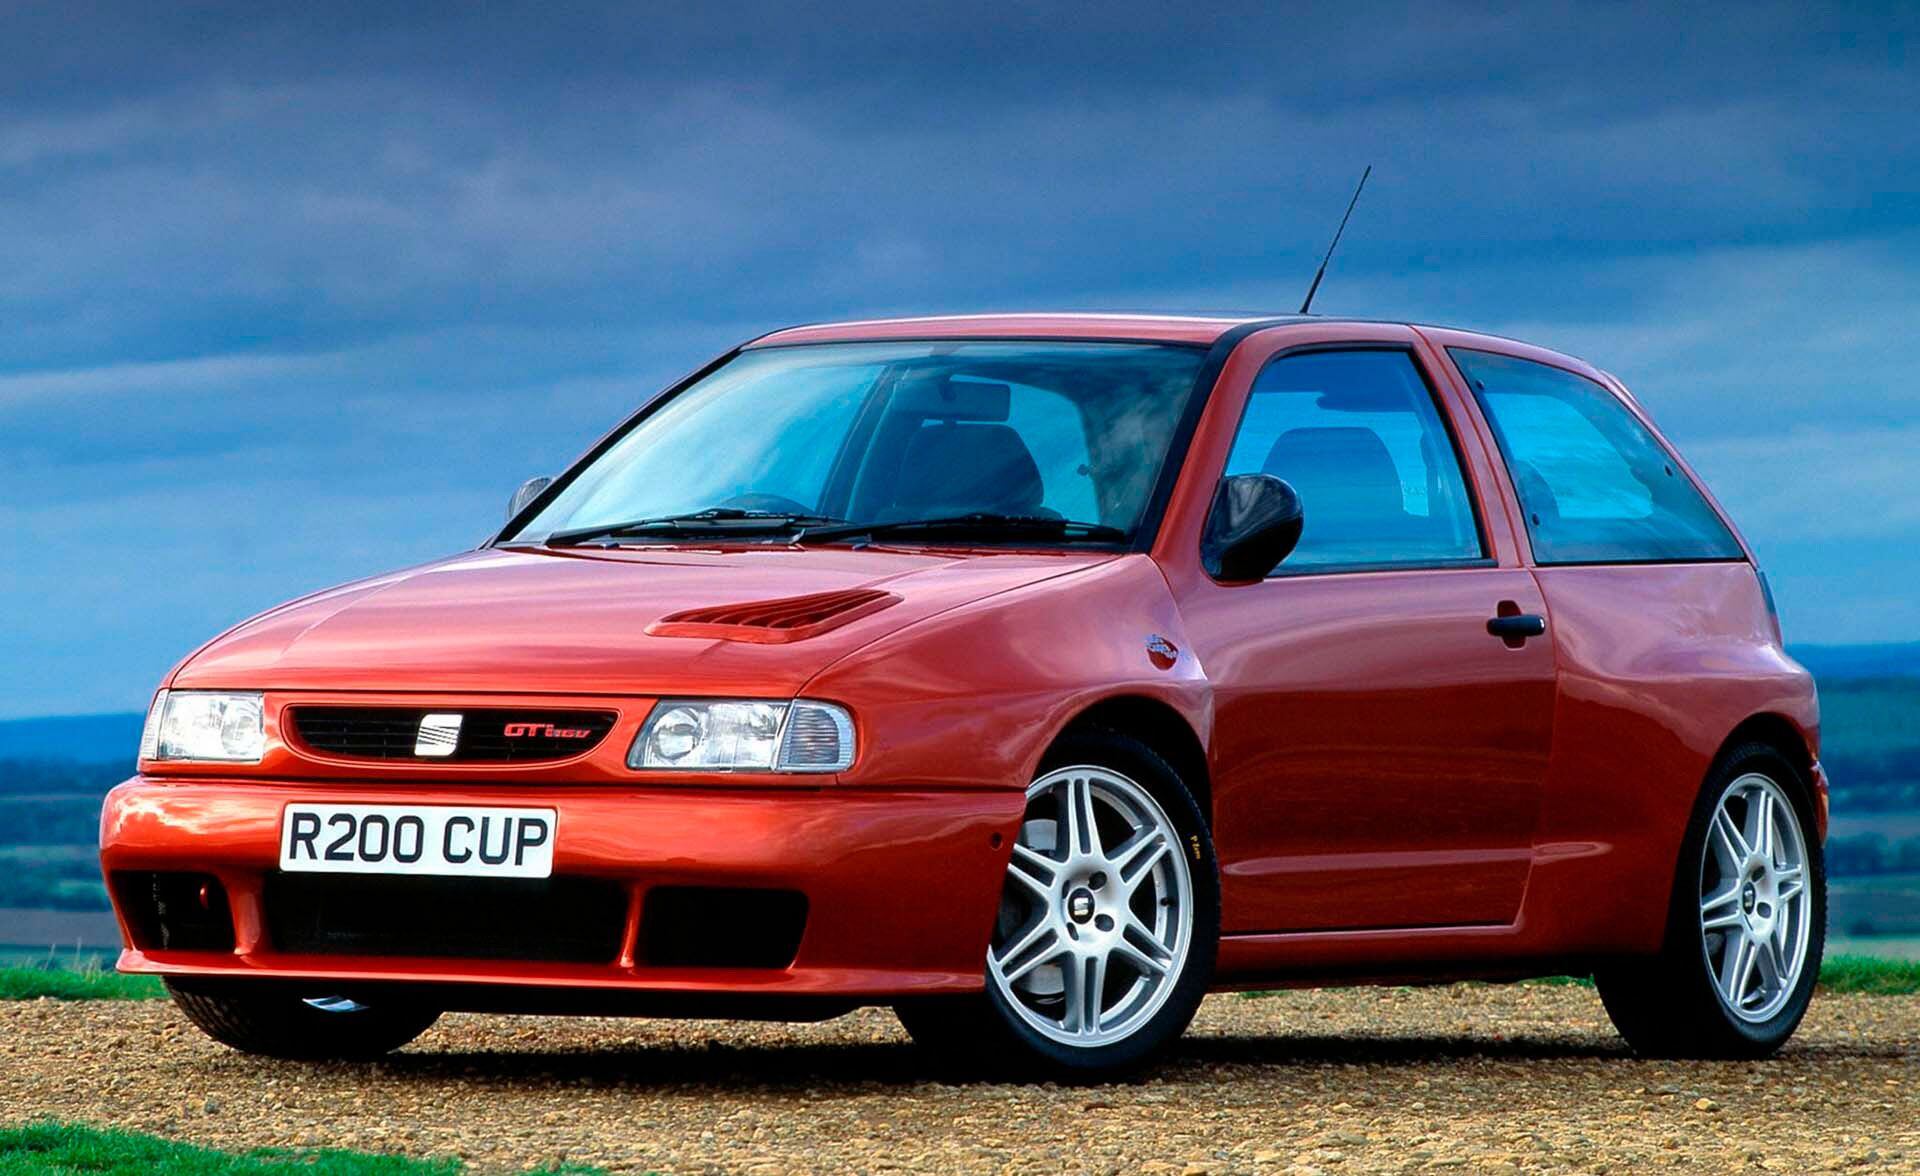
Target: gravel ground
column 1468, row 1079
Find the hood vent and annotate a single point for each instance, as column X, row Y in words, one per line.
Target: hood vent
column 774, row 622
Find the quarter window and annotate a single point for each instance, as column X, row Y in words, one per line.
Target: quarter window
column 1357, row 435
column 1595, row 485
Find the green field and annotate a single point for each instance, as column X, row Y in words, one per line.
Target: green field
column 1886, row 947
column 52, row 877
column 74, row 960
column 1870, row 743
column 62, row 1149
column 48, row 818
column 1870, row 906
column 32, row 982
column 1870, row 975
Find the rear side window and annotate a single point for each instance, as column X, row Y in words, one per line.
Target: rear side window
column 1594, row 483
column 1357, row 435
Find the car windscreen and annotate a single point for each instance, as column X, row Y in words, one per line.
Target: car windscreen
column 895, row 432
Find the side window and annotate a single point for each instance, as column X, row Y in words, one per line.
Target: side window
column 1595, row 485
column 1357, row 435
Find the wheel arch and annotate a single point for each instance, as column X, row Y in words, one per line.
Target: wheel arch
column 1799, row 746
column 1770, row 729
column 1778, row 732
column 1162, row 728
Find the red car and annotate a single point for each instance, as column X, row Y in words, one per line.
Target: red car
column 1034, row 675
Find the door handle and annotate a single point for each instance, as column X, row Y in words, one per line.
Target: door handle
column 1517, row 627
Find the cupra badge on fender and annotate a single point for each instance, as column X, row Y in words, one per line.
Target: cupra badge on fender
column 1162, row 652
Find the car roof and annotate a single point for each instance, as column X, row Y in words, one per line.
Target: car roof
column 1202, row 330
column 1196, row 329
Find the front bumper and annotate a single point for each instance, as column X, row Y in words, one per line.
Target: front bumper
column 901, row 885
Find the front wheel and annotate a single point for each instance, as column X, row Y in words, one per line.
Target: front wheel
column 1747, row 925
column 1108, row 922
column 277, row 1023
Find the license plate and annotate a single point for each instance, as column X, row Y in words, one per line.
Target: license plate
column 417, row 839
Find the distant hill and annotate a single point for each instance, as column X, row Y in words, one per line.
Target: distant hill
column 84, row 738
column 1894, row 660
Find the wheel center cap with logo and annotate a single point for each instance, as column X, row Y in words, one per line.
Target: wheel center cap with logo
column 1080, row 905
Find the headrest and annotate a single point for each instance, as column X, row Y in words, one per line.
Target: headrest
column 1339, row 473
column 951, row 469
column 952, row 399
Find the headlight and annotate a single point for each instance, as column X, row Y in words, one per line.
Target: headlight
column 197, row 725
column 744, row 736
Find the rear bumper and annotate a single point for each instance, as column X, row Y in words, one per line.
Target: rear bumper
column 901, row 885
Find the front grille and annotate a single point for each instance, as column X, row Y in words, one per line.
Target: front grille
column 486, row 735
column 559, row 920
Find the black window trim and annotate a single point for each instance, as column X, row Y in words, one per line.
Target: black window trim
column 1445, row 563
column 1506, row 470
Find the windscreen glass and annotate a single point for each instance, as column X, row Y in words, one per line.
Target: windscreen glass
column 890, row 432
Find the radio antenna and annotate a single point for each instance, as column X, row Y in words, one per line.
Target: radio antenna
column 1307, row 304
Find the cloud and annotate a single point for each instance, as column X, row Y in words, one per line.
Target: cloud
column 287, row 295
column 1818, row 483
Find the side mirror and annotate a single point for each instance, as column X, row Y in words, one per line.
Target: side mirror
column 1255, row 522
column 528, row 491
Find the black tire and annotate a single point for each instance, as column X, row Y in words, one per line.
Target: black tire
column 980, row 1035
column 1669, row 1005
column 276, row 1023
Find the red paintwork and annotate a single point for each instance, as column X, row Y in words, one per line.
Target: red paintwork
column 1393, row 792
column 775, row 622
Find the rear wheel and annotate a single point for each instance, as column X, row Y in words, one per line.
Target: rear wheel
column 1108, row 923
column 279, row 1024
column 1747, row 926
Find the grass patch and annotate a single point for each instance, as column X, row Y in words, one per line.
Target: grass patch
column 1563, row 981
column 1871, row 975
column 92, row 983
column 68, row 1150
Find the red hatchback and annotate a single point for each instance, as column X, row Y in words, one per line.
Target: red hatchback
column 1033, row 675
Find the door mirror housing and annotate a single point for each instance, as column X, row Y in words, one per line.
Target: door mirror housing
column 528, row 491
column 1254, row 524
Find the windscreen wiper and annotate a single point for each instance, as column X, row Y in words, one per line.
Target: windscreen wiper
column 978, row 523
column 715, row 520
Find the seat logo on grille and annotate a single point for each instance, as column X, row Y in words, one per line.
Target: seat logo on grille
column 439, row 735
column 543, row 731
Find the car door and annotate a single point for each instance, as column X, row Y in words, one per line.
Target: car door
column 1384, row 701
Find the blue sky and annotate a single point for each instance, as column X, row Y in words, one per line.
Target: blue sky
column 293, row 294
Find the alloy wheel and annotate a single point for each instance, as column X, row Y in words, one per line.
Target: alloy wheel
column 1096, row 918
column 1756, row 903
